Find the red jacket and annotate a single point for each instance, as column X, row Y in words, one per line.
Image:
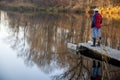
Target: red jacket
column 97, row 20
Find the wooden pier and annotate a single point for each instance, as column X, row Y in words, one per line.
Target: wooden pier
column 103, row 53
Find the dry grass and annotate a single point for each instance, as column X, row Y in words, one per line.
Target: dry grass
column 17, row 4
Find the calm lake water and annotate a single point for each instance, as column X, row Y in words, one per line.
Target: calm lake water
column 33, row 46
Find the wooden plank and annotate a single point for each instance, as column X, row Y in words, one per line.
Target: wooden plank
column 107, row 51
column 72, row 46
column 97, row 52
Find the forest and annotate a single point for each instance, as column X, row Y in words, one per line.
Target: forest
column 55, row 5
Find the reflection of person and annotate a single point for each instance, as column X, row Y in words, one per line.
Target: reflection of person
column 96, row 71
column 96, row 25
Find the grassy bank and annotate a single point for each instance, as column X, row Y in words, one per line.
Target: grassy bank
column 17, row 6
column 23, row 7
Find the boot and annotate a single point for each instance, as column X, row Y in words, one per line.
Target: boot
column 98, row 72
column 93, row 76
column 94, row 42
column 94, row 64
column 99, row 42
column 99, row 65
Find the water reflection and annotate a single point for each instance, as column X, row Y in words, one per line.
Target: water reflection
column 41, row 40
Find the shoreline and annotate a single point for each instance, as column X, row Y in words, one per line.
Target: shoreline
column 33, row 8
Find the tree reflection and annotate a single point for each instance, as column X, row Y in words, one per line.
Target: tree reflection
column 77, row 71
column 41, row 40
